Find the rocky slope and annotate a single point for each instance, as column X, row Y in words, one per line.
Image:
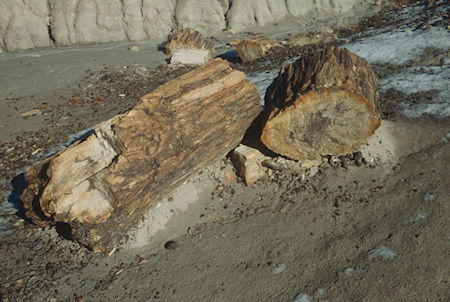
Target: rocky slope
column 45, row 23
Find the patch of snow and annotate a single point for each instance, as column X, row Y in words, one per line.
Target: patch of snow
column 262, row 80
column 429, row 197
column 319, row 292
column 381, row 252
column 415, row 79
column 353, row 272
column 302, row 298
column 436, row 110
column 418, row 216
column 278, row 268
column 445, row 138
column 399, row 46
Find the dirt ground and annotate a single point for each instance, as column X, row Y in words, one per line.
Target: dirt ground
column 369, row 226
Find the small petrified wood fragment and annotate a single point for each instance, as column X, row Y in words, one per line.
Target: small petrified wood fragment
column 324, row 103
column 101, row 187
column 248, row 163
column 254, row 47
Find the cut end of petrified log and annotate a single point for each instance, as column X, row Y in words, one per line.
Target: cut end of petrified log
column 329, row 121
column 323, row 104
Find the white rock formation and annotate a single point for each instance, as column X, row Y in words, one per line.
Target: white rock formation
column 205, row 16
column 24, row 24
column 44, row 23
column 244, row 13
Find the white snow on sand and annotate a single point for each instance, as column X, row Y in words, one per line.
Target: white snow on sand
column 302, row 298
column 353, row 272
column 381, row 252
column 418, row 216
column 397, row 47
column 400, row 45
column 278, row 269
column 416, row 79
column 262, row 80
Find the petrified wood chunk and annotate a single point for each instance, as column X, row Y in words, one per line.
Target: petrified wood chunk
column 254, row 47
column 324, row 103
column 188, row 46
column 102, row 186
column 248, row 163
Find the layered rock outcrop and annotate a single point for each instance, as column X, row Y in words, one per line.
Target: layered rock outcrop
column 44, row 23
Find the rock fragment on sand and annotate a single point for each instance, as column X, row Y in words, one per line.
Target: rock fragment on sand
column 228, row 177
column 248, row 162
column 31, row 113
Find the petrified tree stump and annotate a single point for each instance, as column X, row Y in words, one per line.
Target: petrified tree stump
column 101, row 187
column 188, row 46
column 324, row 103
column 254, row 47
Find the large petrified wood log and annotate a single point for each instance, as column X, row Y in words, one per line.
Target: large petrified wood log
column 324, row 103
column 103, row 185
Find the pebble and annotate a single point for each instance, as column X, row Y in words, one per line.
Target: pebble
column 31, row 113
column 134, row 48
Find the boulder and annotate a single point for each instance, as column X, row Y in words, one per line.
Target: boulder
column 323, row 104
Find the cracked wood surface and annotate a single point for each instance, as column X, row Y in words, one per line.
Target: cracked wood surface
column 323, row 104
column 103, row 185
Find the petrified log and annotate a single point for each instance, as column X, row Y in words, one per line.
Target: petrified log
column 254, row 47
column 101, row 187
column 188, row 46
column 323, row 104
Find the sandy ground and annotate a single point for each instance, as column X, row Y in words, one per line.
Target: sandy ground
column 369, row 226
